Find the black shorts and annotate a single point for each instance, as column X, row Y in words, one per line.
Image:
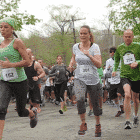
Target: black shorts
column 135, row 85
column 34, row 94
column 114, row 89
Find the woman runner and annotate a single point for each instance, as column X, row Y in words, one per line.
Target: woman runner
column 88, row 57
column 13, row 57
column 60, row 82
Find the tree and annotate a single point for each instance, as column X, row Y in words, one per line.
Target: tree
column 60, row 24
column 125, row 14
column 10, row 8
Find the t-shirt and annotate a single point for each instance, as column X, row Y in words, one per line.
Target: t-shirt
column 128, row 54
column 116, row 79
column 61, row 77
column 86, row 71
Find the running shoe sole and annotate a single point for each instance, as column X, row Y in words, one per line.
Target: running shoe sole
column 34, row 121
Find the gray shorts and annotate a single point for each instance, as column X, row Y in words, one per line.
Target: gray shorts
column 80, row 89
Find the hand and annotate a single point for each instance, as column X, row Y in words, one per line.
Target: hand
column 133, row 65
column 86, row 52
column 109, row 67
column 35, row 78
column 70, row 68
column 6, row 63
column 114, row 74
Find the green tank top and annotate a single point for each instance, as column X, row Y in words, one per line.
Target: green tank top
column 13, row 56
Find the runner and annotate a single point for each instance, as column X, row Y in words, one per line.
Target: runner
column 115, row 86
column 42, row 81
column 13, row 57
column 60, row 82
column 34, row 71
column 129, row 54
column 88, row 57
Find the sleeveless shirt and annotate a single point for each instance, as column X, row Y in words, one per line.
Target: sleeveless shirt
column 30, row 72
column 13, row 56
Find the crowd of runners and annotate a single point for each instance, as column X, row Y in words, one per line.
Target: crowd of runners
column 30, row 82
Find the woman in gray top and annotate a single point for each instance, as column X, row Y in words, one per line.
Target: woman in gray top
column 88, row 58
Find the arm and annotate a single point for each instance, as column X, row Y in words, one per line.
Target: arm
column 72, row 62
column 40, row 71
column 97, row 60
column 116, row 61
column 20, row 47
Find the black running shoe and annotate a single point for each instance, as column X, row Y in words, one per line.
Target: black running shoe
column 34, row 120
column 60, row 111
column 127, row 125
column 136, row 122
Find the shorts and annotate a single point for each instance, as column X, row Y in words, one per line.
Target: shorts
column 34, row 94
column 114, row 89
column 135, row 85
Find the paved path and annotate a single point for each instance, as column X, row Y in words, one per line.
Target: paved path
column 53, row 126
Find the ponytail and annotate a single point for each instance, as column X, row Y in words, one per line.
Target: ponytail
column 15, row 34
column 92, row 38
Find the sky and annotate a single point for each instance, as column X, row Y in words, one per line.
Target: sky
column 92, row 10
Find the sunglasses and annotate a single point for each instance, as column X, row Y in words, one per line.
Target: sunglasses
column 111, row 51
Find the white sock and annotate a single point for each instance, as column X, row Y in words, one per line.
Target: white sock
column 118, row 107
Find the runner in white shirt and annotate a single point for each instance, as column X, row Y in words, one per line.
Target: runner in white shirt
column 115, row 86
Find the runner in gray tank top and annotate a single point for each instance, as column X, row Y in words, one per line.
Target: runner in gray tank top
column 88, row 58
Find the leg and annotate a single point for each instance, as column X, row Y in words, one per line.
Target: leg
column 94, row 92
column 5, row 95
column 136, row 102
column 127, row 105
column 80, row 90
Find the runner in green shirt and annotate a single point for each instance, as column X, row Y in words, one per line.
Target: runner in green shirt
column 129, row 54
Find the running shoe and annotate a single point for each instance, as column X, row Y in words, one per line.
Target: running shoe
column 34, row 120
column 61, row 111
column 53, row 101
column 57, row 102
column 127, row 125
column 136, row 122
column 83, row 128
column 98, row 131
column 118, row 114
column 90, row 113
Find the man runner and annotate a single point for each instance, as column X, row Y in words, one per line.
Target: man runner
column 129, row 54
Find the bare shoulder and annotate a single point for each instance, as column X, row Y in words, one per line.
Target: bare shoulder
column 18, row 43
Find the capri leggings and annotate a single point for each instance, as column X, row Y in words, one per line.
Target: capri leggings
column 20, row 91
column 80, row 89
column 60, row 89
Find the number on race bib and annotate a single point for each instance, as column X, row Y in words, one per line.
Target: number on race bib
column 9, row 74
column 128, row 58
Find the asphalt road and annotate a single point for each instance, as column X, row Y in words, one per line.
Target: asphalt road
column 53, row 126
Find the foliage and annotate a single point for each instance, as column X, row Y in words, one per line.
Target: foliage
column 10, row 8
column 125, row 14
column 47, row 49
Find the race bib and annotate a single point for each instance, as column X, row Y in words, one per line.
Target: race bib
column 86, row 69
column 128, row 58
column 9, row 74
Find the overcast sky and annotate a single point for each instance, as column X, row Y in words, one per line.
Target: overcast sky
column 93, row 10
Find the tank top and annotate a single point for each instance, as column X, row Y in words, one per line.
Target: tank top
column 13, row 56
column 30, row 72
